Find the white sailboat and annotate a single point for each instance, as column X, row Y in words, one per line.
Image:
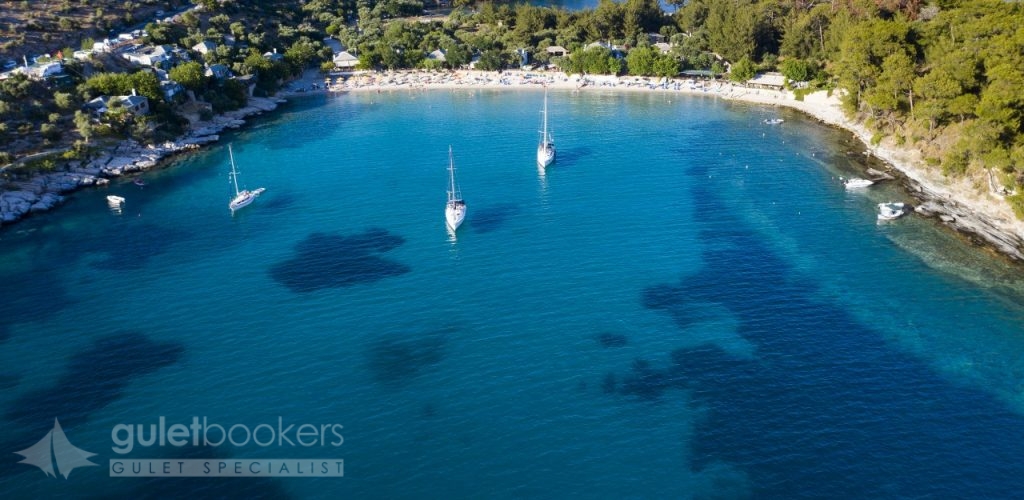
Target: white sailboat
column 546, row 148
column 243, row 197
column 455, row 209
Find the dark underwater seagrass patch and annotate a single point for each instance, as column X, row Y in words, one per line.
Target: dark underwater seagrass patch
column 333, row 261
column 92, row 379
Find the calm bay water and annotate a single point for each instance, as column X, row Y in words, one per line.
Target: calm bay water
column 687, row 304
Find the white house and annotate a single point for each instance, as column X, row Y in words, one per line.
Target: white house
column 102, row 46
column 204, row 47
column 47, row 69
column 171, row 88
column 345, row 60
column 149, row 56
column 135, row 104
column 218, row 71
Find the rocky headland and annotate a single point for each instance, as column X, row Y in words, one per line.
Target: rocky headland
column 47, row 190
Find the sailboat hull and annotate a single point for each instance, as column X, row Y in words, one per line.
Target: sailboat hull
column 244, row 198
column 454, row 214
column 545, row 155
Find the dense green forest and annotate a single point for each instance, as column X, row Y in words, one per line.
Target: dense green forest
column 943, row 76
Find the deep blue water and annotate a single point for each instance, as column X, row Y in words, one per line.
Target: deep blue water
column 687, row 304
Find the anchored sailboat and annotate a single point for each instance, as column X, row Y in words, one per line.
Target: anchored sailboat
column 546, row 148
column 243, row 197
column 455, row 209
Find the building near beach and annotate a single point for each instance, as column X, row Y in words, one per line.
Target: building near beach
column 771, row 80
column 345, row 60
column 47, row 70
column 149, row 56
column 135, row 104
column 218, row 71
column 556, row 51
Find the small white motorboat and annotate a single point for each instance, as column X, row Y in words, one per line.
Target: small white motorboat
column 856, row 183
column 891, row 210
column 115, row 201
column 773, row 121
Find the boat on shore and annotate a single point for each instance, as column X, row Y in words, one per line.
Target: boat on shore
column 856, row 183
column 546, row 148
column 243, row 197
column 455, row 209
column 891, row 210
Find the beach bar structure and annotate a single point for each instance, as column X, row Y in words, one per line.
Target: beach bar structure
column 771, row 81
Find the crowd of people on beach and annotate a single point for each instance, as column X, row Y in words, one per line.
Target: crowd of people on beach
column 414, row 80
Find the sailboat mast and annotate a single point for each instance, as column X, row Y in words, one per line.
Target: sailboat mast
column 545, row 138
column 451, row 175
column 234, row 174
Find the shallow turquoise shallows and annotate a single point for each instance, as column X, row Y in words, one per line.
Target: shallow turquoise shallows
column 686, row 304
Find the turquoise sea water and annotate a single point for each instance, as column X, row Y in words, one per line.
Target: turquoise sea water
column 687, row 304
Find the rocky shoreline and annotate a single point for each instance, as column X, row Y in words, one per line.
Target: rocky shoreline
column 984, row 218
column 43, row 192
column 979, row 229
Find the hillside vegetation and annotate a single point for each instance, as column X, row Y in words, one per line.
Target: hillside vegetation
column 33, row 27
column 946, row 77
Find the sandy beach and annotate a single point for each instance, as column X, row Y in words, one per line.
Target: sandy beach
column 980, row 213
